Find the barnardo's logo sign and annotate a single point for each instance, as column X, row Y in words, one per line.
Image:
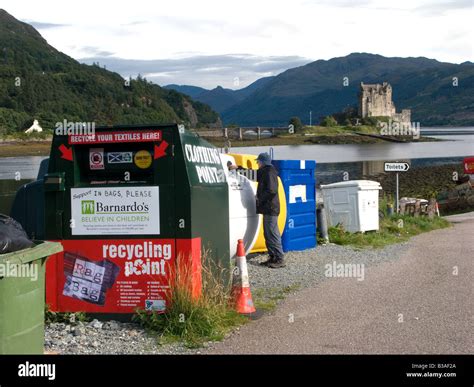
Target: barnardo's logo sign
column 115, row 211
column 87, row 207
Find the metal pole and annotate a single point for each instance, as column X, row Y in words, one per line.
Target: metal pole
column 310, row 117
column 322, row 222
column 396, row 209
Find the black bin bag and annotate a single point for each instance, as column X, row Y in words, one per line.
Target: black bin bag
column 12, row 236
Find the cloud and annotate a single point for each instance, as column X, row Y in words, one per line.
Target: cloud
column 424, row 7
column 340, row 3
column 440, row 7
column 135, row 23
column 94, row 52
column 206, row 71
column 41, row 25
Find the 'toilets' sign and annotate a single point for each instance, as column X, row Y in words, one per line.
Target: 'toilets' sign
column 396, row 167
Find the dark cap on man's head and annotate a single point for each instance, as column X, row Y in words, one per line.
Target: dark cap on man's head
column 264, row 158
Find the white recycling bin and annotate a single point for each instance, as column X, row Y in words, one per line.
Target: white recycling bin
column 244, row 222
column 354, row 204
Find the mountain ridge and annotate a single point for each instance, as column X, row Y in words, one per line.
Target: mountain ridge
column 39, row 82
column 421, row 84
column 219, row 98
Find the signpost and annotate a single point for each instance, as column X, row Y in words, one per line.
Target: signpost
column 396, row 167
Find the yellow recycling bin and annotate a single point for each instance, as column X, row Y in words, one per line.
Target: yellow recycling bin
column 248, row 162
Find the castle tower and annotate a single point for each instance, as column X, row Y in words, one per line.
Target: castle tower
column 375, row 100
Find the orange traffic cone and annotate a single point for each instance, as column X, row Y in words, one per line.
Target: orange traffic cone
column 241, row 296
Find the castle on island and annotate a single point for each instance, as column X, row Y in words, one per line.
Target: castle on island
column 375, row 100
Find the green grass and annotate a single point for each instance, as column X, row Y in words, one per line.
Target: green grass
column 63, row 317
column 393, row 229
column 306, row 135
column 25, row 148
column 339, row 130
column 190, row 320
column 267, row 299
column 45, row 135
column 312, row 135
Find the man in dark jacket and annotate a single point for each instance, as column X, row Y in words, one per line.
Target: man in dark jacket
column 268, row 204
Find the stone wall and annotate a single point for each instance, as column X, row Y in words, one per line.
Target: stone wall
column 403, row 117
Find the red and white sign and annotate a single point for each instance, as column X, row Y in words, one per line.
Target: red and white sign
column 116, row 137
column 96, row 158
column 112, row 275
column 469, row 165
column 118, row 275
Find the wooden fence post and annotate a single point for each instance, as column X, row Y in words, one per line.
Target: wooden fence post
column 431, row 208
column 417, row 208
column 402, row 208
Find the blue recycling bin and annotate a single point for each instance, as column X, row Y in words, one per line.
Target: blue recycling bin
column 299, row 183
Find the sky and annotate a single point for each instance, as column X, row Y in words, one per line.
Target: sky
column 232, row 43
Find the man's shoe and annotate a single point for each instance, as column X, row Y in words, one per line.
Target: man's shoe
column 267, row 262
column 276, row 265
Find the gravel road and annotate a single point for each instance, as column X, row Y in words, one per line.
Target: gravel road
column 305, row 269
column 420, row 303
column 99, row 337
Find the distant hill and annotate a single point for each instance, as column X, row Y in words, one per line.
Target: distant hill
column 192, row 91
column 421, row 84
column 219, row 98
column 38, row 81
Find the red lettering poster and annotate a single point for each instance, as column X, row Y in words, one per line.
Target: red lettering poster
column 110, row 276
column 116, row 137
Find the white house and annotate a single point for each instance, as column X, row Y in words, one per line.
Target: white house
column 34, row 128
